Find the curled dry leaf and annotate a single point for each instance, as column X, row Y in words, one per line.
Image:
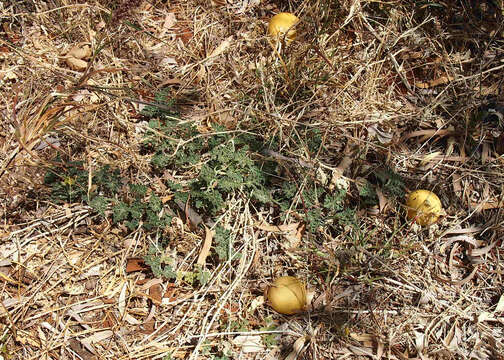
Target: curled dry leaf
column 81, row 50
column 76, row 64
column 297, row 348
column 74, row 57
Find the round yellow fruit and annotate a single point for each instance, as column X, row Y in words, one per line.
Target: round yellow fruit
column 287, row 295
column 424, row 206
column 282, row 26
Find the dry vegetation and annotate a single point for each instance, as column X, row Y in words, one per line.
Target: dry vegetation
column 373, row 99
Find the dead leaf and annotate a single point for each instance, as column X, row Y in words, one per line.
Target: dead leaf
column 429, row 157
column 294, row 237
column 136, row 264
column 121, row 304
column 382, row 200
column 207, row 244
column 362, row 337
column 76, row 64
column 80, row 350
column 174, row 81
column 500, row 305
column 257, row 302
column 457, row 184
column 170, row 20
column 249, row 343
column 427, row 133
column 297, row 348
column 97, row 337
column 185, row 34
column 81, row 50
column 277, row 228
column 486, row 316
column 155, row 294
column 221, row 48
column 483, row 250
column 360, row 350
column 488, row 205
column 439, row 81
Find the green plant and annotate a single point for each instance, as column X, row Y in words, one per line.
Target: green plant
column 392, row 183
column 68, row 182
column 270, row 340
column 143, row 207
column 224, row 244
column 160, row 264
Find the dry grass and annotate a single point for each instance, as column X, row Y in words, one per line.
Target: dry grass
column 387, row 85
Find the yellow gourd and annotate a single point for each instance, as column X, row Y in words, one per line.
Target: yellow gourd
column 282, row 26
column 424, row 206
column 287, row 295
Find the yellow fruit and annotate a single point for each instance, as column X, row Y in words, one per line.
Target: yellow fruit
column 287, row 295
column 282, row 26
column 424, row 206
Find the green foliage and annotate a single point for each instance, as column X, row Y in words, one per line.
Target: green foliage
column 68, row 181
column 163, row 107
column 224, row 244
column 241, row 325
column 198, row 276
column 228, row 165
column 269, row 339
column 229, row 169
column 392, row 183
column 160, row 265
column 319, row 205
column 368, row 194
column 144, row 209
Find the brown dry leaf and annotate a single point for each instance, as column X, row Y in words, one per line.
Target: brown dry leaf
column 174, row 81
column 207, row 244
column 439, row 81
column 155, row 293
column 136, row 264
column 360, row 350
column 362, row 337
column 457, row 184
column 277, row 228
column 488, row 205
column 185, row 34
column 80, row 350
column 294, row 231
column 76, row 64
column 97, row 337
column 221, row 48
column 294, row 237
column 483, row 250
column 9, row 280
column 169, row 21
column 24, row 337
column 427, row 133
column 297, row 348
column 382, row 200
column 81, row 50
